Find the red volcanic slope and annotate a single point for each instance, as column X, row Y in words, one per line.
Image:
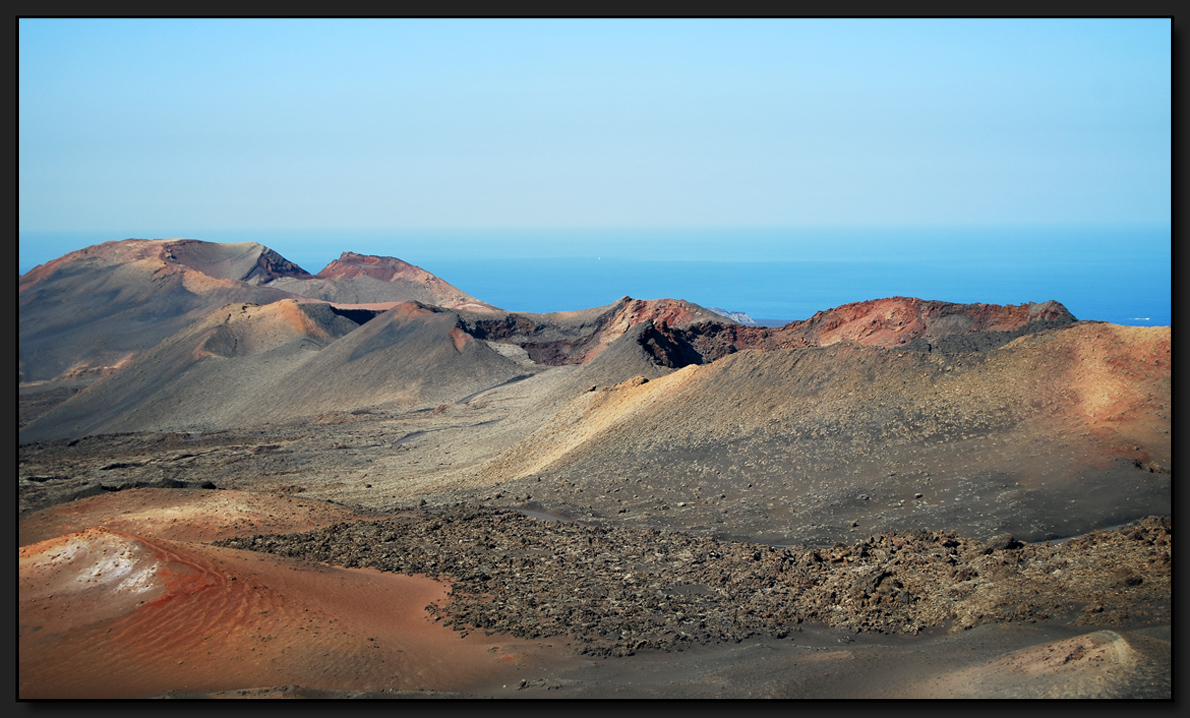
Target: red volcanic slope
column 351, row 266
column 890, row 322
column 108, row 614
column 674, row 312
column 579, row 336
column 896, row 320
column 628, row 313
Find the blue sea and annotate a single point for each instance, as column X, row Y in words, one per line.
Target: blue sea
column 1119, row 275
column 788, row 290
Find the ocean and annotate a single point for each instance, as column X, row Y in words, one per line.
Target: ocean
column 788, row 290
column 1118, row 275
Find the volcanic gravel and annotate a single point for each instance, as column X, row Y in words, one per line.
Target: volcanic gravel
column 616, row 590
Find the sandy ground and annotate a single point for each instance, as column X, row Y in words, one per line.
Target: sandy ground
column 106, row 613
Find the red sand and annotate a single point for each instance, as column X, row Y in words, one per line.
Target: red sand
column 107, row 613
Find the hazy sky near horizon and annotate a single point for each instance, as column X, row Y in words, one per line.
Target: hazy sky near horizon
column 194, row 127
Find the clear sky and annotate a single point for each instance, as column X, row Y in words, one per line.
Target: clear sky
column 204, row 128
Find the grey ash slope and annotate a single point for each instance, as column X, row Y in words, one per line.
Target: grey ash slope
column 409, row 358
column 173, row 354
column 199, row 377
column 246, row 365
column 89, row 312
column 92, row 310
column 1052, row 434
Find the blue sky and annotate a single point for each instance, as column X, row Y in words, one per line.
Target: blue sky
column 554, row 129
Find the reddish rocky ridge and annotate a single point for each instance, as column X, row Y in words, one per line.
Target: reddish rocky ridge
column 891, row 322
column 577, row 337
column 350, row 265
column 898, row 320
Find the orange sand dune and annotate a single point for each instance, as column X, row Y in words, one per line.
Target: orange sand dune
column 108, row 614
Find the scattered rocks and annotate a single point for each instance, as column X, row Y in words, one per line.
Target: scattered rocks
column 620, row 590
column 1003, row 542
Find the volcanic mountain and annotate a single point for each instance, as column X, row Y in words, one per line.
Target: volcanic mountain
column 92, row 311
column 355, row 279
column 244, row 364
column 287, row 358
column 893, row 322
column 172, row 354
column 561, row 338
